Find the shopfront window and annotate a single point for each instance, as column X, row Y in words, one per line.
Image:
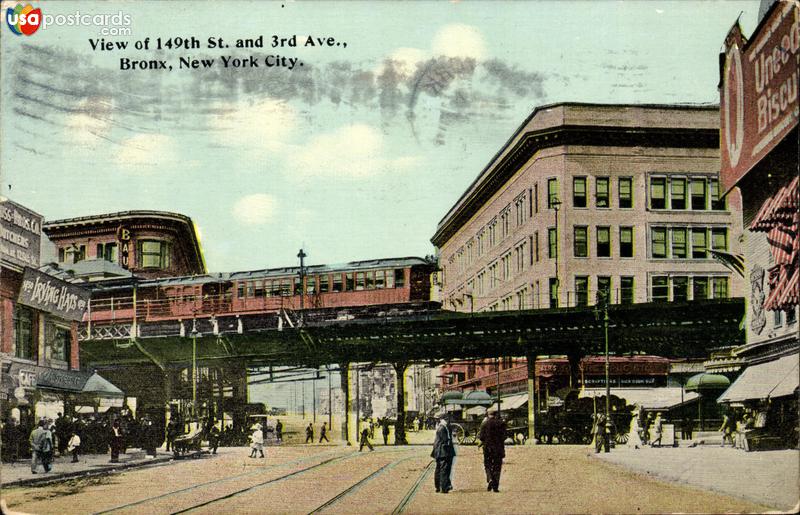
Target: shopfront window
column 57, row 341
column 24, row 340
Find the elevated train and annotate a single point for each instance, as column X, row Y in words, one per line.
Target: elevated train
column 390, row 283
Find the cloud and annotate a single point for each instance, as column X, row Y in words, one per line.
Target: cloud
column 254, row 209
column 351, row 151
column 459, row 40
column 265, row 125
column 146, row 151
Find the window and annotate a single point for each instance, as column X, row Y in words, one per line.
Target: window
column 625, row 192
column 719, row 239
column 552, row 192
column 604, row 288
column 323, row 284
column 658, row 241
column 240, row 291
column 361, row 281
column 61, row 255
column 581, row 290
column 536, row 198
column 350, row 283
column 579, row 192
column 535, row 247
column 57, row 341
column 250, row 289
column 389, row 279
column 24, row 340
column 259, row 289
column 154, row 254
column 698, row 194
column 311, row 285
column 601, row 192
column 552, row 244
column 275, row 288
column 75, row 253
column 658, row 193
column 626, row 290
column 720, row 285
column 717, row 203
column 660, row 289
column 581, row 241
column 677, row 193
column 370, row 280
column 603, row 242
column 298, row 286
column 679, row 250
column 107, row 251
column 553, row 287
column 699, row 244
column 699, row 288
column 380, row 279
column 626, row 242
column 399, row 278
column 777, row 318
column 338, row 284
column 680, row 288
column 791, row 316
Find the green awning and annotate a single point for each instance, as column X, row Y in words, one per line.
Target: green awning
column 706, row 381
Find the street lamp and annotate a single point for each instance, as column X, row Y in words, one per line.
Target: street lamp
column 602, row 305
column 556, row 204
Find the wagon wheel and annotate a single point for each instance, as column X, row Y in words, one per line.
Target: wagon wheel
column 458, row 433
column 621, row 438
column 470, row 438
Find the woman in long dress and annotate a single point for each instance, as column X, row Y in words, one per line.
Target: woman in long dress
column 634, row 438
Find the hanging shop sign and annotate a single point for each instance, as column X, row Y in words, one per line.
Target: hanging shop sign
column 124, row 239
column 62, row 379
column 20, row 234
column 758, row 100
column 52, row 295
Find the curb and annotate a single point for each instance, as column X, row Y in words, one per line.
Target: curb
column 55, row 478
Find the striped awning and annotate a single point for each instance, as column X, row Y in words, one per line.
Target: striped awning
column 779, row 208
column 784, row 292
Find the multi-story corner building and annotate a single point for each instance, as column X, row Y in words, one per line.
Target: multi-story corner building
column 585, row 198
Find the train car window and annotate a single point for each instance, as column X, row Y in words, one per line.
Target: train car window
column 399, row 278
column 259, row 289
column 380, row 281
column 350, row 284
column 311, row 285
column 240, row 290
column 250, row 289
column 323, row 284
column 389, row 279
column 360, row 281
column 285, row 288
column 298, row 287
column 338, row 285
column 371, row 280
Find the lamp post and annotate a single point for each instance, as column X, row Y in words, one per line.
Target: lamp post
column 556, row 204
column 498, row 386
column 194, row 368
column 602, row 305
column 302, row 256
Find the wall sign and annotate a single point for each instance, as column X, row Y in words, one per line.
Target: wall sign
column 20, row 234
column 124, row 239
column 50, row 294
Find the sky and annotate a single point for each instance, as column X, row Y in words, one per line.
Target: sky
column 356, row 154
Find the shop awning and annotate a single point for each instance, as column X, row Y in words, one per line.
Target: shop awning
column 74, row 381
column 648, row 398
column 476, row 410
column 97, row 385
column 513, row 402
column 776, row 378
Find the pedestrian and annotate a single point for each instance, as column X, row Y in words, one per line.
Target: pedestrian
column 279, row 431
column 74, row 445
column 310, row 433
column 492, row 436
column 599, row 432
column 371, row 428
column 257, row 442
column 727, row 429
column 634, row 434
column 686, row 428
column 115, row 442
column 323, row 432
column 213, row 439
column 172, row 432
column 385, row 430
column 365, row 440
column 41, row 441
column 443, row 452
column 658, row 427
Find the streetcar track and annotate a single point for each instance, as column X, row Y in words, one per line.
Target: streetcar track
column 412, row 492
column 212, row 482
column 344, row 493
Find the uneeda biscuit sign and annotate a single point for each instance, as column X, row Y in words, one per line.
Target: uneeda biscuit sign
column 20, row 234
column 50, row 294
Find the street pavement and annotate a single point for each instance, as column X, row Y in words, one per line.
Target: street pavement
column 771, row 478
column 338, row 479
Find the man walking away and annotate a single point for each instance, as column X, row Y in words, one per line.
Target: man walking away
column 41, row 444
column 279, row 431
column 213, row 439
column 385, row 429
column 323, row 432
column 365, row 440
column 658, row 427
column 492, row 436
column 443, row 452
column 310, row 433
column 74, row 446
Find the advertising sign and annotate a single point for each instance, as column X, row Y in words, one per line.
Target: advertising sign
column 50, row 294
column 758, row 101
column 20, row 234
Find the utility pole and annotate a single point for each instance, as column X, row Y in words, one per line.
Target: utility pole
column 194, row 368
column 601, row 310
column 302, row 256
column 556, row 204
column 330, row 402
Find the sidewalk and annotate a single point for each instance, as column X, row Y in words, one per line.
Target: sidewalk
column 765, row 477
column 19, row 473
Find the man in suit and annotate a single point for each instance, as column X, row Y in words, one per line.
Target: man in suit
column 493, row 435
column 443, row 452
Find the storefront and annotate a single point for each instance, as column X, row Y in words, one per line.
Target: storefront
column 759, row 111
